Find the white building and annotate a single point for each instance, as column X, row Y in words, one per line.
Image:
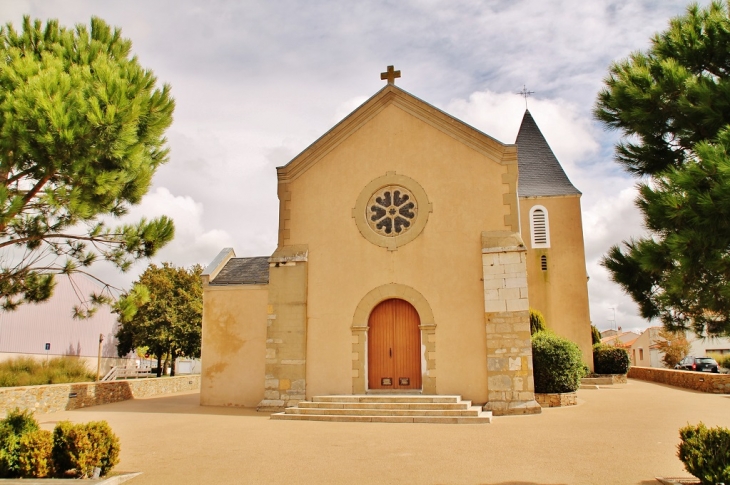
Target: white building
column 49, row 330
column 644, row 352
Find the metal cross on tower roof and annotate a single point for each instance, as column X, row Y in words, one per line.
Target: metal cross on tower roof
column 390, row 75
column 525, row 93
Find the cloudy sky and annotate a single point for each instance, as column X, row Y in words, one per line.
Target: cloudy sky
column 255, row 82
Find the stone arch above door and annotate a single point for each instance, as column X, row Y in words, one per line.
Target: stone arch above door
column 360, row 332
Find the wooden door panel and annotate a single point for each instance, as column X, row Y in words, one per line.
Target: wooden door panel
column 394, row 346
column 380, row 343
column 407, row 346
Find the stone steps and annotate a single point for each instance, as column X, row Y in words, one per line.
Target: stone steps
column 596, row 381
column 388, row 398
column 387, row 409
column 385, row 405
column 385, row 412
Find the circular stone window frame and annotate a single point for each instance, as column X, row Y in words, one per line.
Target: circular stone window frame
column 392, row 243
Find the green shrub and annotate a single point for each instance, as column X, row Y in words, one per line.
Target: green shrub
column 722, row 359
column 26, row 451
column 34, row 454
column 79, row 448
column 595, row 335
column 537, row 322
column 557, row 364
column 12, row 429
column 705, row 453
column 608, row 359
column 103, row 438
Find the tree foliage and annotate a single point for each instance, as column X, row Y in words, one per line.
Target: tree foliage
column 81, row 135
column 595, row 335
column 672, row 104
column 163, row 312
column 674, row 346
column 537, row 321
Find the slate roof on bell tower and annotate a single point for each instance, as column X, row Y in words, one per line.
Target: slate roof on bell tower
column 540, row 173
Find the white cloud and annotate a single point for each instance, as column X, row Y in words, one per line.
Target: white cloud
column 347, row 107
column 257, row 82
column 192, row 243
column 568, row 132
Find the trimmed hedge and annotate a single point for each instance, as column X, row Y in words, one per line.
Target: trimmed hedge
column 608, row 359
column 556, row 362
column 705, row 453
column 34, row 454
column 72, row 450
column 15, row 425
column 79, row 448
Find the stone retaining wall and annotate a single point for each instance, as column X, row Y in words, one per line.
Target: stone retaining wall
column 63, row 397
column 556, row 400
column 699, row 381
column 615, row 378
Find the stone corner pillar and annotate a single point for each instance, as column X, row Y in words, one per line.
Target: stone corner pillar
column 510, row 382
column 286, row 330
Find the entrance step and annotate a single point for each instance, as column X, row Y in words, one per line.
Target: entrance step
column 596, row 381
column 387, row 409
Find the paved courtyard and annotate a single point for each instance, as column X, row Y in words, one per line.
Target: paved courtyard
column 621, row 435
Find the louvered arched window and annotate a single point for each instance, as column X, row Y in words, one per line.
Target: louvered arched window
column 539, row 227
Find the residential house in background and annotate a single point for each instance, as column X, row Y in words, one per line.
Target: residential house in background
column 613, row 337
column 644, row 352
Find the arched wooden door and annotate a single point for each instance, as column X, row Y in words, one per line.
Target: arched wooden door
column 394, row 346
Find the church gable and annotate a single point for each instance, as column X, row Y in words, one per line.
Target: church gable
column 391, row 95
column 471, row 175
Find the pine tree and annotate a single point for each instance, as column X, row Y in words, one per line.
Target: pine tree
column 672, row 104
column 81, row 135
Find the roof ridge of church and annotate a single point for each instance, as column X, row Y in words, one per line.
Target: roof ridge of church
column 540, row 172
column 415, row 106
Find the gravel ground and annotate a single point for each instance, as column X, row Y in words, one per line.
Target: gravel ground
column 625, row 434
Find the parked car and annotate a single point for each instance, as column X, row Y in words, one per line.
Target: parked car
column 698, row 364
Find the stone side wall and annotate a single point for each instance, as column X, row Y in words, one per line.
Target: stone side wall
column 699, row 381
column 65, row 397
column 556, row 400
column 510, row 382
column 286, row 330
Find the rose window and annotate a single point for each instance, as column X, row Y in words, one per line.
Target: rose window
column 391, row 211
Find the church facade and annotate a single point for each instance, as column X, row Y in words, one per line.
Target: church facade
column 410, row 249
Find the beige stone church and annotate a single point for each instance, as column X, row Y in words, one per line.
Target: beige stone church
column 410, row 247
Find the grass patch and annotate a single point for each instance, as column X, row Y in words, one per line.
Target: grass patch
column 26, row 371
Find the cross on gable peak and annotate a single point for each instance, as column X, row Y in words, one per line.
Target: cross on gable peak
column 390, row 75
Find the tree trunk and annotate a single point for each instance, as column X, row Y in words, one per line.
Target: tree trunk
column 173, row 358
column 159, row 365
column 167, row 361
